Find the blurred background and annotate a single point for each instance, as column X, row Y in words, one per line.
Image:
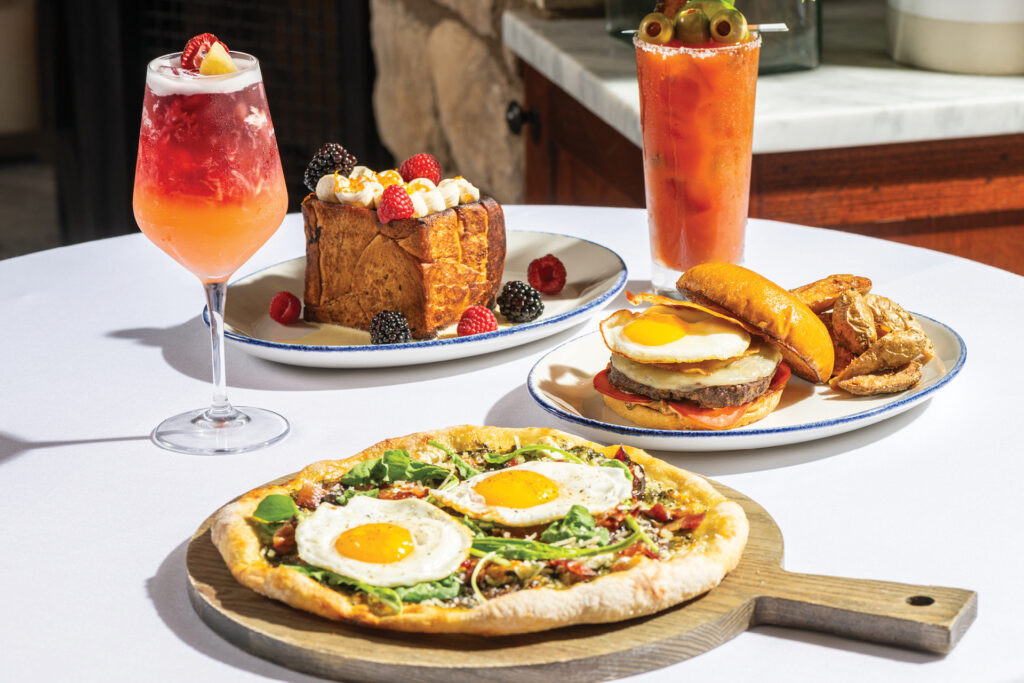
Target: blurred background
column 391, row 78
column 73, row 75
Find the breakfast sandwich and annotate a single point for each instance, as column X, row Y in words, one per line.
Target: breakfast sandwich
column 720, row 360
column 483, row 530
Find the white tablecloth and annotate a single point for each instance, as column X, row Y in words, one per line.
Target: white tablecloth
column 103, row 340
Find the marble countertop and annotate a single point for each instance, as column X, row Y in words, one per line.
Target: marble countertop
column 858, row 96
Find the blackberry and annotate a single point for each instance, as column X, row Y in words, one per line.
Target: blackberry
column 519, row 302
column 328, row 159
column 389, row 327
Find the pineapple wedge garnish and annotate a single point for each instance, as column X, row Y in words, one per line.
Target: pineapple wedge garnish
column 217, row 61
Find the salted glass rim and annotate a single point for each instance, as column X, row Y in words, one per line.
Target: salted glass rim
column 755, row 41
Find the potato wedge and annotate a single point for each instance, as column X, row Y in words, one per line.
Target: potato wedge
column 890, row 316
column 821, row 295
column 894, row 350
column 853, row 322
column 882, row 382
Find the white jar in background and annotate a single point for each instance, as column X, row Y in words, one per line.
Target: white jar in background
column 973, row 36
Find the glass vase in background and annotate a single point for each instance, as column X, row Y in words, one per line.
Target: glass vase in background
column 625, row 15
column 800, row 47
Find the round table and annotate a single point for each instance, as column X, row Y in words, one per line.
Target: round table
column 105, row 340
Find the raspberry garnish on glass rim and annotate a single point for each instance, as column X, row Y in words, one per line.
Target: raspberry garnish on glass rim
column 196, row 50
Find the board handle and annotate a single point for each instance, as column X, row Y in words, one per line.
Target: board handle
column 929, row 618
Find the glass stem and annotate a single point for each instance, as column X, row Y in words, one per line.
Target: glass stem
column 220, row 410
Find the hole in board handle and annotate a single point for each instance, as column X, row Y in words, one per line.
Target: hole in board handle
column 920, row 600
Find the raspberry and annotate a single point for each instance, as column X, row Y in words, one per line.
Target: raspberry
column 519, row 302
column 421, row 166
column 546, row 274
column 285, row 308
column 394, row 203
column 477, row 320
column 196, row 49
column 389, row 327
column 328, row 159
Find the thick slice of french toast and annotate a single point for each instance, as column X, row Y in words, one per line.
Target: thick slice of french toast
column 431, row 268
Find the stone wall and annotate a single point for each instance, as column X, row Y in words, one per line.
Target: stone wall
column 443, row 83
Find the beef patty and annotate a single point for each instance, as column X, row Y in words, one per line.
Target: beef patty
column 706, row 397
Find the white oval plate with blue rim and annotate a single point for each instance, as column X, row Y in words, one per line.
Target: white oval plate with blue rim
column 595, row 275
column 561, row 383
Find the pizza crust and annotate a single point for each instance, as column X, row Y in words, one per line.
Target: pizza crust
column 650, row 586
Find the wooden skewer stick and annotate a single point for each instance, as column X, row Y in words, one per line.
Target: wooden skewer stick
column 760, row 28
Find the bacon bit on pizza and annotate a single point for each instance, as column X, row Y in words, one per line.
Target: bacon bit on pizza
column 310, row 495
column 658, row 512
column 572, row 571
column 676, row 518
column 687, row 521
column 284, row 538
column 614, row 519
column 403, row 489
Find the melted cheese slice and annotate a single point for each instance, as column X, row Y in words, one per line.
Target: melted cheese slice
column 750, row 367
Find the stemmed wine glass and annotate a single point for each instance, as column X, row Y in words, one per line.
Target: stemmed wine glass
column 209, row 191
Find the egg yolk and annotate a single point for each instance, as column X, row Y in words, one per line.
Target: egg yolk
column 655, row 329
column 517, row 489
column 380, row 543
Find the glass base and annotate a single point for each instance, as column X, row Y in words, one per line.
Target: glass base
column 201, row 432
column 663, row 280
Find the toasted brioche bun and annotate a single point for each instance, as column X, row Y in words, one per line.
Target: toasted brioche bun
column 666, row 418
column 765, row 309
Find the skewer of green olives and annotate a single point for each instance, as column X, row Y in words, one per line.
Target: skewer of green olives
column 697, row 22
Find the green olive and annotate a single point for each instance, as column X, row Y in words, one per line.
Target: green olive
column 692, row 27
column 655, row 28
column 728, row 26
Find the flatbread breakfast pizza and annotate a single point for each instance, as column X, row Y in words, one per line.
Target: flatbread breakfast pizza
column 483, row 530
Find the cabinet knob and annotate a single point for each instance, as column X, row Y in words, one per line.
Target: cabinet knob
column 517, row 117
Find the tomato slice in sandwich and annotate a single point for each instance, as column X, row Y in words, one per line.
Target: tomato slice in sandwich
column 605, row 387
column 709, row 418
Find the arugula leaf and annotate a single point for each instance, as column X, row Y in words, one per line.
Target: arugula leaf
column 465, row 469
column 277, row 507
column 632, row 524
column 473, row 526
column 521, row 549
column 265, row 530
column 445, row 589
column 361, row 473
column 543, row 449
column 352, row 493
column 499, row 458
column 578, row 523
column 621, row 465
column 394, row 465
column 386, row 596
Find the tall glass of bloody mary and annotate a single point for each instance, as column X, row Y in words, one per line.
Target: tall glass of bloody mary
column 697, row 116
column 209, row 191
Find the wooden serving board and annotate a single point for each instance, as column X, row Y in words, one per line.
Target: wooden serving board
column 757, row 592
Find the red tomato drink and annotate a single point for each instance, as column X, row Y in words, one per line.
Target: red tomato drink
column 697, row 116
